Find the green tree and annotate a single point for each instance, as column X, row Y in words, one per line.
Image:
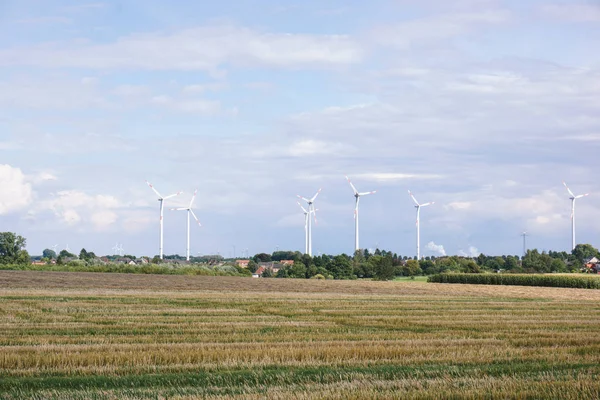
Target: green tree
column 262, row 257
column 252, row 266
column 428, row 267
column 298, row 270
column 383, row 268
column 412, row 268
column 341, row 267
column 12, row 249
column 83, row 255
column 49, row 254
column 583, row 252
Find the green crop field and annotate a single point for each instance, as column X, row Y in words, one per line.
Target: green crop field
column 119, row 336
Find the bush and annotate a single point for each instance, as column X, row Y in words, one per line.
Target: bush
column 317, row 276
column 565, row 281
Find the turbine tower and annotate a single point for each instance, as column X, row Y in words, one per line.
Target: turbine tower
column 306, row 219
column 573, row 198
column 311, row 209
column 189, row 211
column 161, row 200
column 357, row 195
column 418, row 207
column 524, row 234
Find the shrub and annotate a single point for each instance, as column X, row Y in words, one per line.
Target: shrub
column 566, row 281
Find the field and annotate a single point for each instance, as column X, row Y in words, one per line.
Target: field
column 120, row 336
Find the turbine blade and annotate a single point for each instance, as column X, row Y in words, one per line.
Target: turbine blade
column 315, row 196
column 303, row 198
column 413, row 197
column 172, row 195
column 303, row 209
column 428, row 204
column 179, row 209
column 353, row 188
column 582, row 195
column 366, row 193
column 193, row 198
column 155, row 191
column 568, row 190
column 315, row 215
column 194, row 215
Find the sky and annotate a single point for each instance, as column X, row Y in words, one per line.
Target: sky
column 483, row 106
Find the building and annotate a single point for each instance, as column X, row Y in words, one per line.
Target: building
column 242, row 263
column 592, row 265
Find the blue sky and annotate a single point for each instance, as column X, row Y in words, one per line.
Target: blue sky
column 482, row 106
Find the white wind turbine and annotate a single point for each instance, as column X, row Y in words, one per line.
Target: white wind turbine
column 311, row 209
column 573, row 198
column 418, row 207
column 357, row 195
column 306, row 220
column 189, row 211
column 161, row 200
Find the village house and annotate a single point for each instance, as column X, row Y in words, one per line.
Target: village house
column 592, row 265
column 242, row 263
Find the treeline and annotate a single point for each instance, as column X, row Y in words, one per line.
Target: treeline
column 384, row 265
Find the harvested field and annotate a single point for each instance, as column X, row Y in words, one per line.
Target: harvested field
column 119, row 336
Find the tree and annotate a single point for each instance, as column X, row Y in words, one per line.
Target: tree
column 341, row 267
column 49, row 254
column 412, row 268
column 83, row 255
column 12, row 249
column 298, row 270
column 583, row 252
column 252, row 266
column 383, row 268
column 262, row 257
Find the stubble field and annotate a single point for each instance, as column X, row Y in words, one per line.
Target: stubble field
column 118, row 336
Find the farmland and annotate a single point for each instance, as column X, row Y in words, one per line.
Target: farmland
column 114, row 336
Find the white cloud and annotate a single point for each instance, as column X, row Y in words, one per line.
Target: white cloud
column 311, row 147
column 205, row 48
column 471, row 252
column 75, row 207
column 405, row 34
column 16, row 192
column 386, row 177
column 436, row 248
column 573, row 12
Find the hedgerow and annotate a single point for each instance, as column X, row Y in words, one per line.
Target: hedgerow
column 565, row 281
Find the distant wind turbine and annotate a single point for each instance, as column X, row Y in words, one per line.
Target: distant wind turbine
column 573, row 198
column 311, row 209
column 54, row 248
column 189, row 211
column 161, row 200
column 418, row 207
column 306, row 220
column 357, row 195
column 524, row 234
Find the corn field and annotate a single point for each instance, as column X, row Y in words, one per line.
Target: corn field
column 551, row 280
column 119, row 336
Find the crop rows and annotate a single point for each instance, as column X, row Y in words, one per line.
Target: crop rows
column 552, row 280
column 346, row 340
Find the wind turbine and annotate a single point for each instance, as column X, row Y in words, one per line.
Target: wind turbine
column 54, row 248
column 573, row 198
column 357, row 195
column 524, row 234
column 306, row 220
column 189, row 211
column 311, row 209
column 418, row 207
column 161, row 200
